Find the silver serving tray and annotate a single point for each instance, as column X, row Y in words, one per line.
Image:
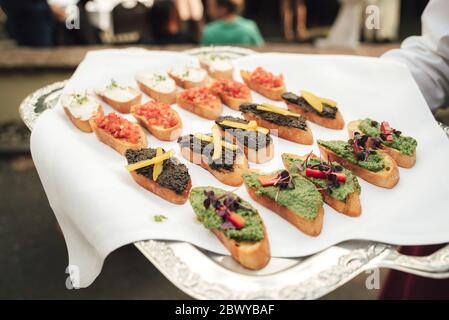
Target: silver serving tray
column 205, row 275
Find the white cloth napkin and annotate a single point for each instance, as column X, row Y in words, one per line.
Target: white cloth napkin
column 100, row 208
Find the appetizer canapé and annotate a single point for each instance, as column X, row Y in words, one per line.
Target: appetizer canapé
column 293, row 197
column 200, row 101
column 290, row 125
column 159, row 119
column 79, row 108
column 218, row 66
column 361, row 156
column 188, row 77
column 118, row 133
column 255, row 141
column 158, row 85
column 316, row 109
column 160, row 173
column 401, row 148
column 235, row 223
column 264, row 83
column 338, row 186
column 218, row 156
column 120, row 97
column 231, row 93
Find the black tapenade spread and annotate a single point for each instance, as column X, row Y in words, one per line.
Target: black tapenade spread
column 276, row 118
column 251, row 139
column 328, row 111
column 198, row 146
column 174, row 176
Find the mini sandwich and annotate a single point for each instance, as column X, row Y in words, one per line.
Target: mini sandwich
column 264, row 83
column 322, row 111
column 290, row 125
column 255, row 141
column 159, row 119
column 158, row 85
column 121, row 98
column 160, row 173
column 362, row 156
column 338, row 186
column 235, row 223
column 80, row 108
column 217, row 66
column 293, row 197
column 200, row 101
column 231, row 93
column 222, row 159
column 401, row 148
column 118, row 133
column 189, row 77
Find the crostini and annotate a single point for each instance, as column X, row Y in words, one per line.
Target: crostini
column 160, row 173
column 79, row 108
column 158, row 85
column 235, row 223
column 401, row 148
column 293, row 197
column 159, row 119
column 361, row 157
column 189, row 77
column 322, row 111
column 217, row 66
column 231, row 93
column 338, row 186
column 264, row 83
column 121, row 98
column 255, row 141
column 200, row 101
column 224, row 160
column 118, row 133
column 290, row 125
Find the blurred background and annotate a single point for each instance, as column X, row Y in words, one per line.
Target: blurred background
column 43, row 41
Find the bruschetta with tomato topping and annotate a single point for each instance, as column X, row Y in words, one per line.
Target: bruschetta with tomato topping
column 118, row 132
column 200, row 101
column 235, row 223
column 189, row 77
column 80, row 108
column 231, row 93
column 120, row 97
column 159, row 119
column 264, row 83
column 217, row 66
column 160, row 173
column 158, row 85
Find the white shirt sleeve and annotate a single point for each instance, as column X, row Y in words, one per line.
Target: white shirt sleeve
column 427, row 56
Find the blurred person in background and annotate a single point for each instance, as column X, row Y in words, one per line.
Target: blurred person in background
column 294, row 11
column 230, row 28
column 191, row 14
column 166, row 24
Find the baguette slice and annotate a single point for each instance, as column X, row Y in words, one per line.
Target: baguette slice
column 217, row 73
column 83, row 125
column 351, row 207
column 121, row 106
column 161, row 133
column 309, row 227
column 228, row 100
column 386, row 178
column 402, row 160
column 231, row 178
column 252, row 255
column 270, row 93
column 120, row 145
column 183, row 77
column 166, row 97
column 208, row 111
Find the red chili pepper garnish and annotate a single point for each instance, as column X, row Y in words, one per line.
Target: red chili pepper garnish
column 267, row 181
column 323, row 175
column 385, row 128
column 237, row 220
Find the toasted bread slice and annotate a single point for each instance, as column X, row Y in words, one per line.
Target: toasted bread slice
column 351, row 207
column 270, row 93
column 83, row 125
column 166, row 97
column 121, row 106
column 215, row 73
column 219, row 88
column 231, row 178
column 120, row 145
column 186, row 82
column 386, row 178
column 211, row 112
column 402, row 160
column 161, row 133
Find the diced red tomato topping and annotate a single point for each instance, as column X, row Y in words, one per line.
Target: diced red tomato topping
column 237, row 220
column 267, row 79
column 158, row 114
column 200, row 96
column 119, row 127
column 230, row 88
